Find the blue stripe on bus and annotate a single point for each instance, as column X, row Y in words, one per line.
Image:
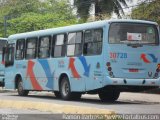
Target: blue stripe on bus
column 48, row 73
column 85, row 66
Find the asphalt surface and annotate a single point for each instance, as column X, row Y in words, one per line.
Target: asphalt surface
column 128, row 103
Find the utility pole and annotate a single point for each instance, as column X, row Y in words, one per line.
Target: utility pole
column 5, row 26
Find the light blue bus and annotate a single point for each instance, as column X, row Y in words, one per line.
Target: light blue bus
column 3, row 43
column 103, row 57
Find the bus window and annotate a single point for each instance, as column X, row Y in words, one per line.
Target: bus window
column 3, row 44
column 20, row 46
column 92, row 42
column 9, row 57
column 31, row 48
column 44, row 47
column 74, row 47
column 59, row 47
column 124, row 33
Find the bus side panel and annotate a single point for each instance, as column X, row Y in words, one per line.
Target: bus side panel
column 44, row 74
column 10, row 78
column 39, row 75
column 94, row 77
column 73, row 69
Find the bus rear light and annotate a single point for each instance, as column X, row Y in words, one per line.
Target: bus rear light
column 158, row 66
column 155, row 75
column 157, row 70
column 111, row 74
column 109, row 69
column 108, row 64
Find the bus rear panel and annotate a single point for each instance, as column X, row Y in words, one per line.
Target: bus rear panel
column 132, row 57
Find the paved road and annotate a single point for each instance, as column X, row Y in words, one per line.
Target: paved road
column 15, row 114
column 134, row 103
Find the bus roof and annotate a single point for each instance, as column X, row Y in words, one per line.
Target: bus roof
column 3, row 38
column 72, row 28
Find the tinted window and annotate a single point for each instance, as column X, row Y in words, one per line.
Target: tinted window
column 44, row 47
column 121, row 33
column 9, row 55
column 74, row 46
column 58, row 46
column 93, row 42
column 20, row 47
column 31, row 48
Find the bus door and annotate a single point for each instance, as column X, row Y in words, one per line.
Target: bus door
column 133, row 50
column 9, row 63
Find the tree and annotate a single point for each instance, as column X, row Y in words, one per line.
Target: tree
column 101, row 7
column 147, row 11
column 29, row 15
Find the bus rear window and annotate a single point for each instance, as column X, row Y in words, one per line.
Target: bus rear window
column 124, row 33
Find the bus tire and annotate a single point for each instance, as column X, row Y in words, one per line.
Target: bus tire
column 65, row 89
column 21, row 91
column 109, row 96
column 57, row 94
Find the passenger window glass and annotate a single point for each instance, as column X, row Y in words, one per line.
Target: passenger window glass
column 93, row 42
column 71, row 38
column 20, row 47
column 60, row 40
column 31, row 48
column 79, row 37
column 9, row 55
column 88, row 36
column 59, row 48
column 44, row 47
column 74, row 47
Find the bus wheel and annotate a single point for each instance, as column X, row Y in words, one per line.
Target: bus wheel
column 65, row 89
column 57, row 94
column 21, row 91
column 109, row 96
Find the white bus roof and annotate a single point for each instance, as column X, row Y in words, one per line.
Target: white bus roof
column 72, row 28
column 3, row 38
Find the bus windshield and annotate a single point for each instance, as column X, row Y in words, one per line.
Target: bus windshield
column 2, row 44
column 133, row 33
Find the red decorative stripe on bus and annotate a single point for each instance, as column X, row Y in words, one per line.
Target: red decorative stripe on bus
column 73, row 69
column 32, row 77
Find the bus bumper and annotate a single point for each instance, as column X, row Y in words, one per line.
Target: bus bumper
column 132, row 82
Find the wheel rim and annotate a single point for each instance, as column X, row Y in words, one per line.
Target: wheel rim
column 65, row 88
column 20, row 88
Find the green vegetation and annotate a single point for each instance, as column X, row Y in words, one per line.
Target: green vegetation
column 103, row 8
column 29, row 15
column 148, row 11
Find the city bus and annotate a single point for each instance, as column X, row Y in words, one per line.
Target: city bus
column 3, row 43
column 103, row 57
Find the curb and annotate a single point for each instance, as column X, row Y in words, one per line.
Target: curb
column 53, row 108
